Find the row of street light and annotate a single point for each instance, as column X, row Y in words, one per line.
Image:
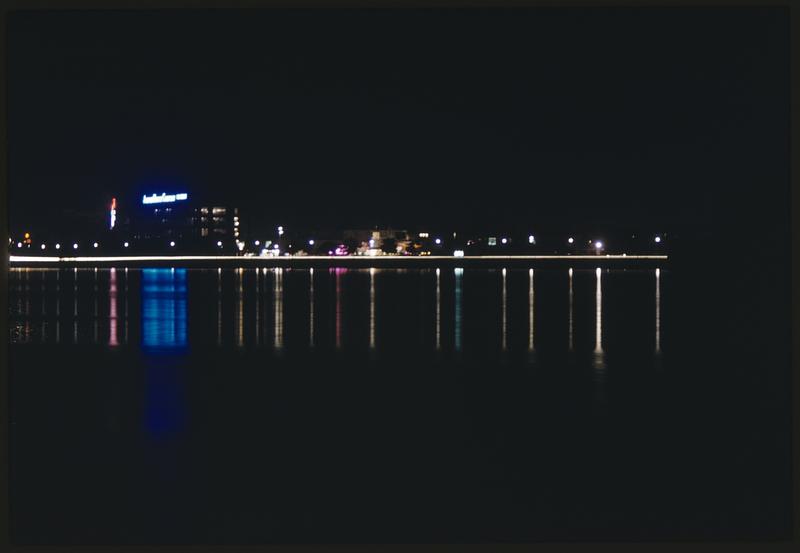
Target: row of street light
column 598, row 244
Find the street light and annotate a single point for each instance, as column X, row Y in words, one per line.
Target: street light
column 219, row 243
column 438, row 241
column 75, row 246
column 172, row 244
column 311, row 242
column 504, row 240
column 598, row 245
column 531, row 239
column 95, row 244
column 257, row 243
column 658, row 239
column 125, row 244
column 570, row 240
column 43, row 246
column 58, row 246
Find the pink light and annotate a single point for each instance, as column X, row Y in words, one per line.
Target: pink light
column 112, row 308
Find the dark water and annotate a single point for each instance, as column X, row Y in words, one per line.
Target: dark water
column 390, row 405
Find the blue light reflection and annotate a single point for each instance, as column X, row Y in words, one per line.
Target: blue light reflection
column 164, row 308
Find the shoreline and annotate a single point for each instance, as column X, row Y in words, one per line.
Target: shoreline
column 330, row 261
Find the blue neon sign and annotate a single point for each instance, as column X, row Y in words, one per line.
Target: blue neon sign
column 164, row 198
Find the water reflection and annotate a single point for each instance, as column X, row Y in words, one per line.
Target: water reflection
column 58, row 307
column 112, row 308
column 570, row 309
column 75, row 305
column 658, row 310
column 164, row 300
column 278, row 306
column 239, row 306
column 258, row 310
column 219, row 307
column 372, row 308
column 44, row 306
column 598, row 362
column 438, row 310
column 127, row 320
column 530, row 310
column 164, row 308
column 44, row 294
column 96, row 318
column 311, row 307
column 503, row 344
column 459, row 272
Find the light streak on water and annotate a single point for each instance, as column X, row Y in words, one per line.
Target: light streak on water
column 658, row 310
column 337, row 277
column 459, row 273
column 239, row 316
column 372, row 308
column 570, row 310
column 599, row 361
column 278, row 306
column 127, row 321
column 531, row 346
column 75, row 305
column 503, row 343
column 58, row 307
column 96, row 312
column 438, row 310
column 219, row 307
column 258, row 310
column 164, row 309
column 311, row 307
column 112, row 308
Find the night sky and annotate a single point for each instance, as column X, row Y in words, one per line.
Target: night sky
column 560, row 118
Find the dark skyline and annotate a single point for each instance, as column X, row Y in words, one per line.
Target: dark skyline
column 666, row 118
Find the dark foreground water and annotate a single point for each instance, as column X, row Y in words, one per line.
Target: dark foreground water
column 390, row 405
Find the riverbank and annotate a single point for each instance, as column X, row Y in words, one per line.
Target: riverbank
column 337, row 261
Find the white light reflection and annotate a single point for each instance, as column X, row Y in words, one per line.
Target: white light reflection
column 337, row 276
column 75, row 308
column 503, row 343
column 438, row 310
column 531, row 346
column 96, row 317
column 239, row 317
column 459, row 273
column 58, row 306
column 278, row 303
column 372, row 308
column 658, row 311
column 570, row 309
column 219, row 306
column 258, row 310
column 599, row 362
column 311, row 307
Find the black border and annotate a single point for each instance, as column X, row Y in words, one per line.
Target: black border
column 794, row 18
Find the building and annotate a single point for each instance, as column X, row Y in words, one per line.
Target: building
column 174, row 222
column 375, row 241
